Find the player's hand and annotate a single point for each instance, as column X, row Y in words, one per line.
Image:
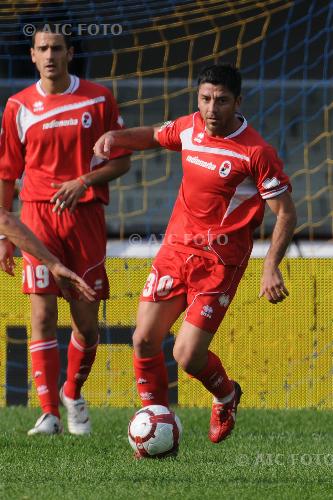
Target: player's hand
column 67, row 196
column 103, row 146
column 66, row 280
column 272, row 286
column 7, row 263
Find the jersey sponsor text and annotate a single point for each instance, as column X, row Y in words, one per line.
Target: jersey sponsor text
column 201, row 163
column 61, row 123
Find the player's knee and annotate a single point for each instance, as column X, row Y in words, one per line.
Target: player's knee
column 86, row 332
column 44, row 321
column 144, row 344
column 187, row 358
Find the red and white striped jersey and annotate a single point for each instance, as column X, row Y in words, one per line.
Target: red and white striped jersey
column 50, row 137
column 226, row 181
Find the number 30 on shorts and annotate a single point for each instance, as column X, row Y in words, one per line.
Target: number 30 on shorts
column 38, row 277
column 163, row 287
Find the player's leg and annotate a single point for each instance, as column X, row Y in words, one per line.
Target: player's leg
column 82, row 346
column 38, row 282
column 162, row 301
column 212, row 287
column 45, row 362
column 154, row 320
column 80, row 355
column 191, row 351
column 84, row 236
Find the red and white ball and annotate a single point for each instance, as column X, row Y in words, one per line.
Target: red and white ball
column 154, row 431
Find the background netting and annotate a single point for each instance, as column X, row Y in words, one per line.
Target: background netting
column 284, row 49
column 281, row 355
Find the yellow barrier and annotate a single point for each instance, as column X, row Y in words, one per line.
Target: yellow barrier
column 281, row 354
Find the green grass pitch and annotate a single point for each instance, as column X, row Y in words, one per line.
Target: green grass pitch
column 272, row 454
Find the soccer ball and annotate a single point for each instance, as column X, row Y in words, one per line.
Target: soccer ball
column 154, row 432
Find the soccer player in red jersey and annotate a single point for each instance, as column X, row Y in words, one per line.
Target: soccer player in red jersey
column 48, row 133
column 23, row 238
column 229, row 172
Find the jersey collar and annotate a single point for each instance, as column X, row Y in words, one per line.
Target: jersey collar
column 73, row 86
column 240, row 129
column 237, row 132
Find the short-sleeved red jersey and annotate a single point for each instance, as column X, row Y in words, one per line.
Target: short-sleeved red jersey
column 226, row 181
column 50, row 137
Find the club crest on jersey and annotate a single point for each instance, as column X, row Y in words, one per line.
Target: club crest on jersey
column 225, row 168
column 38, row 106
column 86, row 119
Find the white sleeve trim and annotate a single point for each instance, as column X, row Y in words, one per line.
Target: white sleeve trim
column 272, row 194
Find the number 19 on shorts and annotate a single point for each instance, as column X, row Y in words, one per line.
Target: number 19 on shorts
column 37, row 277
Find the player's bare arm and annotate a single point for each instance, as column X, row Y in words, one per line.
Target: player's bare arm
column 6, row 247
column 70, row 192
column 272, row 284
column 23, row 238
column 136, row 138
column 66, row 280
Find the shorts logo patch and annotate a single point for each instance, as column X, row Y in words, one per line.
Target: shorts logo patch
column 225, row 168
column 86, row 119
column 207, row 311
column 98, row 285
column 224, row 300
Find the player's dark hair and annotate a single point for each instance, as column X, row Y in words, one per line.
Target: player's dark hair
column 51, row 28
column 222, row 74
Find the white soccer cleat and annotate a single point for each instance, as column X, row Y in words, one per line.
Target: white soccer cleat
column 47, row 424
column 77, row 414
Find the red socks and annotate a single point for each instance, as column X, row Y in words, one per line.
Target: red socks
column 150, row 373
column 151, row 380
column 45, row 362
column 80, row 361
column 214, row 377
